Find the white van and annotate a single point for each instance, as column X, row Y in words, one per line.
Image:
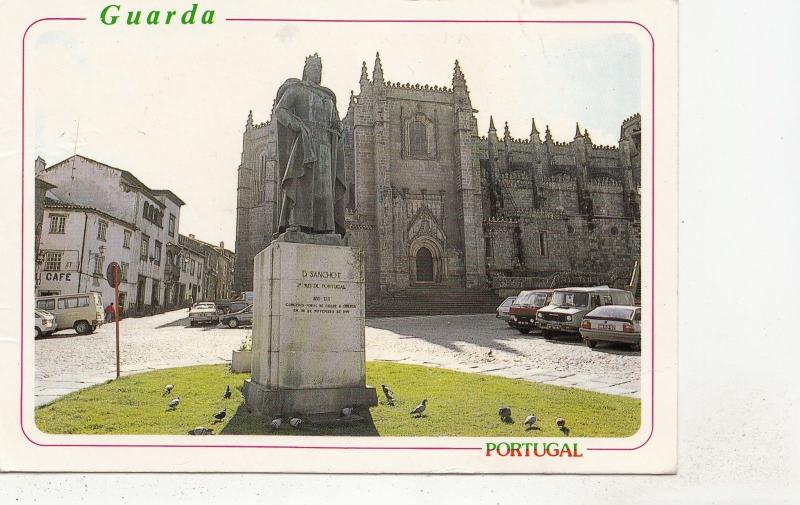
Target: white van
column 83, row 311
column 569, row 305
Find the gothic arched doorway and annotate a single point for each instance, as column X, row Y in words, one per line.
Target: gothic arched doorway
column 424, row 265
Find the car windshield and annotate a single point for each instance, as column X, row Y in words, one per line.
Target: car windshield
column 42, row 313
column 570, row 299
column 532, row 300
column 508, row 301
column 625, row 313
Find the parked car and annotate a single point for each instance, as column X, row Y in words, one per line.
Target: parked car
column 523, row 310
column 83, row 311
column 238, row 306
column 568, row 306
column 502, row 310
column 45, row 322
column 243, row 317
column 613, row 323
column 203, row 312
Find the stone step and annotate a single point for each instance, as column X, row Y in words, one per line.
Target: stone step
column 433, row 300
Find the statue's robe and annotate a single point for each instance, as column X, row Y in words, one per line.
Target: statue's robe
column 310, row 158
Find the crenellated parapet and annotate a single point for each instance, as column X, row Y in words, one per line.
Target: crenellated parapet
column 501, row 221
column 516, row 179
column 418, row 87
column 604, row 185
column 562, row 182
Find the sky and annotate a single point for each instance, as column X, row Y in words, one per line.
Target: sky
column 170, row 105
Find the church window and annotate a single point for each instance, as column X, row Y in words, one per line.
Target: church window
column 261, row 180
column 419, row 139
column 542, row 243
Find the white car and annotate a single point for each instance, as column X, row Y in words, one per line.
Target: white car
column 203, row 312
column 613, row 323
column 45, row 322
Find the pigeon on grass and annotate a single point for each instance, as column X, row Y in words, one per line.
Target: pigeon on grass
column 167, row 389
column 174, row 403
column 276, row 424
column 530, row 422
column 219, row 416
column 346, row 412
column 420, row 408
column 505, row 414
column 389, row 395
column 227, row 393
column 201, row 430
column 296, row 423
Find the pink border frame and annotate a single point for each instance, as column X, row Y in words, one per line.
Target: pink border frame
column 341, row 447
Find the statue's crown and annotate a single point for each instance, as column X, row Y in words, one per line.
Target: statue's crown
column 314, row 60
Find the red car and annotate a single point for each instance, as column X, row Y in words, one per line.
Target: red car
column 523, row 310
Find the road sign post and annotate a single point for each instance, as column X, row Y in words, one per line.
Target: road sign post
column 112, row 275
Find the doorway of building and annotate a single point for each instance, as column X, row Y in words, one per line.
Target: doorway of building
column 424, row 265
column 140, row 287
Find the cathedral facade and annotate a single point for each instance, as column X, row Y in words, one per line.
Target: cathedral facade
column 433, row 203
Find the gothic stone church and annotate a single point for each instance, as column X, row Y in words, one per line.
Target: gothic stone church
column 431, row 202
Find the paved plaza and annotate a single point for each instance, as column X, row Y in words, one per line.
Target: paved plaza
column 65, row 362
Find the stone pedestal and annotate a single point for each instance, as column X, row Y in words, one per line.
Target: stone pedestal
column 308, row 331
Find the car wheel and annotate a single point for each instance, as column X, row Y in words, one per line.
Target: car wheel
column 38, row 332
column 591, row 344
column 83, row 328
column 192, row 324
column 233, row 322
column 524, row 331
column 636, row 347
column 548, row 334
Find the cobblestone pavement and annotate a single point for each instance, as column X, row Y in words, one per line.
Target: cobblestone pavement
column 65, row 362
column 463, row 343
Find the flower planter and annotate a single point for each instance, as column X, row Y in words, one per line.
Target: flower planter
column 242, row 361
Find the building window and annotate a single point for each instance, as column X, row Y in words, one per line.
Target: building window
column 419, row 139
column 126, row 239
column 171, row 225
column 191, row 267
column 98, row 264
column 47, row 304
column 58, row 223
column 542, row 243
column 144, row 247
column 183, row 261
column 262, row 188
column 153, row 214
column 102, row 226
column 199, row 270
column 123, row 272
column 52, row 261
column 158, row 253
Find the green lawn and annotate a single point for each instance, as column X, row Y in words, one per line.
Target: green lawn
column 459, row 404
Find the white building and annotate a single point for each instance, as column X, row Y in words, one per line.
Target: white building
column 114, row 195
column 76, row 246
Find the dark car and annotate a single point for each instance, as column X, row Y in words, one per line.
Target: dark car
column 243, row 317
column 523, row 310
